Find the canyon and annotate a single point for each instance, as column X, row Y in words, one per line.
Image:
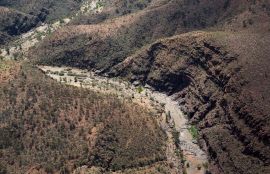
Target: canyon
column 198, row 71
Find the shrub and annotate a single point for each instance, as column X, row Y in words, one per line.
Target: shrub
column 139, row 89
column 68, row 69
column 7, row 50
column 194, row 132
column 15, row 55
column 189, row 115
column 187, row 165
column 205, row 165
column 71, row 73
column 244, row 23
column 176, row 138
column 38, row 36
column 168, row 116
column 49, row 168
column 61, row 73
column 250, row 21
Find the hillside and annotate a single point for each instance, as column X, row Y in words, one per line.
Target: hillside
column 210, row 56
column 222, row 89
column 110, row 42
column 17, row 17
column 51, row 127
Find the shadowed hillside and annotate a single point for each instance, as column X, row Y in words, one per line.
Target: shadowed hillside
column 17, row 17
column 222, row 84
column 50, row 127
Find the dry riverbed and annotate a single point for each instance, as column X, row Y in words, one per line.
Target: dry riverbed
column 168, row 114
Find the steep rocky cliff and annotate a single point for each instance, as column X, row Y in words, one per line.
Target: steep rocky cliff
column 217, row 88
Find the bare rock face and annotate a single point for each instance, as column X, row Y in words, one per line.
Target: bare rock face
column 211, row 85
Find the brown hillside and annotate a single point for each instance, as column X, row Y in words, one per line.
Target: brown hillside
column 49, row 127
column 102, row 45
column 222, row 89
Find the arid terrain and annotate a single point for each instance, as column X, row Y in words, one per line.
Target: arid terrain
column 160, row 103
column 135, row 86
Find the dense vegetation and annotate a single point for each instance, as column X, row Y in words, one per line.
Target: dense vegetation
column 49, row 126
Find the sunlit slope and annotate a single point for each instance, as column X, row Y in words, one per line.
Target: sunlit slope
column 50, row 127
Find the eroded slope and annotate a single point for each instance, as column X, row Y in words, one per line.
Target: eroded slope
column 218, row 88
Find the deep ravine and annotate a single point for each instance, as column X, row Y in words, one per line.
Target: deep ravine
column 188, row 156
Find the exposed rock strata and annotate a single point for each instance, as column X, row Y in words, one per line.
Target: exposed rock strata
column 206, row 80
